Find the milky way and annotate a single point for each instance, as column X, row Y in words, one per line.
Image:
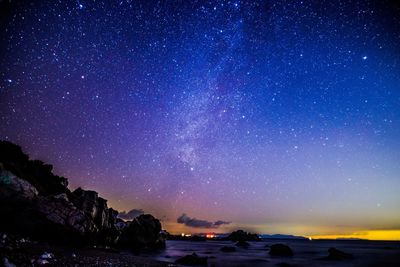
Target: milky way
column 275, row 116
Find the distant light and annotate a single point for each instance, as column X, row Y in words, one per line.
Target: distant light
column 80, row 6
column 364, row 57
column 310, row 238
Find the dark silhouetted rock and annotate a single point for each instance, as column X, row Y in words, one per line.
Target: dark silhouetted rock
column 12, row 153
column 142, row 232
column 192, row 260
column 13, row 188
column 121, row 224
column 338, row 255
column 34, row 171
column 60, row 210
column 280, row 250
column 241, row 235
column 95, row 207
column 228, row 249
column 242, row 244
column 38, row 204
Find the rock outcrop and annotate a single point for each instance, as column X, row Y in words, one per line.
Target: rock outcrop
column 35, row 172
column 95, row 207
column 142, row 232
column 241, row 235
column 39, row 204
column 337, row 255
column 59, row 210
column 14, row 188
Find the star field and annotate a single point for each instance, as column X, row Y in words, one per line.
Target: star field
column 272, row 115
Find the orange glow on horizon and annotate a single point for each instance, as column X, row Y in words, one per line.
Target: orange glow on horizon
column 393, row 235
column 313, row 232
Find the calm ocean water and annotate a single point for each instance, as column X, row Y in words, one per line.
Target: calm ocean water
column 306, row 253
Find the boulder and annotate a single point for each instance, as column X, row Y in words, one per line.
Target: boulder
column 142, row 232
column 338, row 255
column 192, row 260
column 280, row 250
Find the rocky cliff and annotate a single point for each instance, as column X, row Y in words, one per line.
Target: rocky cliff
column 36, row 203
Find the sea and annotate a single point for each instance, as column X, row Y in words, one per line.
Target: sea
column 306, row 253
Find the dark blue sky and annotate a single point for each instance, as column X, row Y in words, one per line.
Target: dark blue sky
column 273, row 115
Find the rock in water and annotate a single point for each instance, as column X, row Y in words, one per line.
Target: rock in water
column 192, row 260
column 338, row 255
column 280, row 250
column 241, row 235
column 142, row 232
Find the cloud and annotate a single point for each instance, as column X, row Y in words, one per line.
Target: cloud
column 196, row 223
column 133, row 213
column 219, row 223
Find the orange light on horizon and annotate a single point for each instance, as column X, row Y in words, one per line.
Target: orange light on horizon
column 210, row 236
column 186, row 235
column 370, row 235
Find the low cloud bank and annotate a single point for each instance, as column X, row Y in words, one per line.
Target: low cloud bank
column 196, row 223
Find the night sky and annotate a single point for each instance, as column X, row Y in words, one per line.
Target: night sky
column 272, row 116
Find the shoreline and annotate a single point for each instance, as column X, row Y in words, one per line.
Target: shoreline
column 42, row 254
column 22, row 252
